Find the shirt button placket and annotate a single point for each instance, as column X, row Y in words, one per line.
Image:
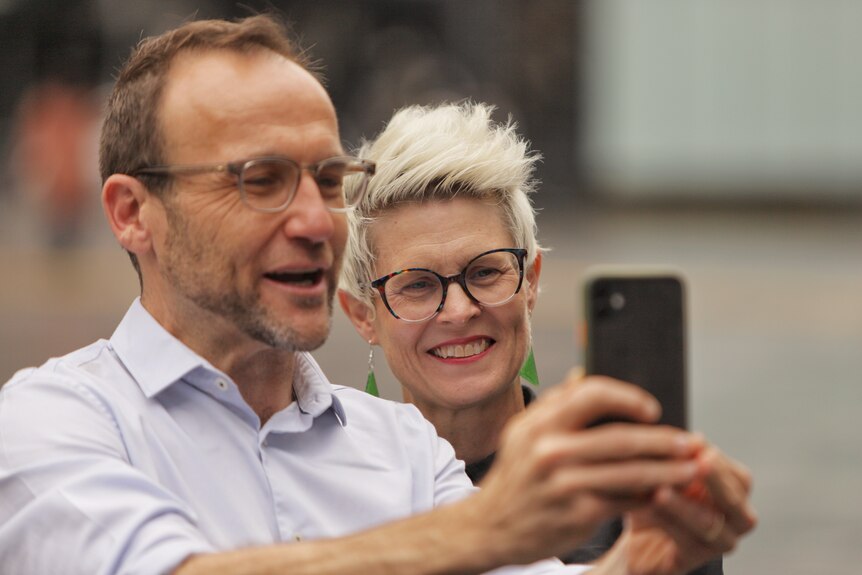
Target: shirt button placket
column 288, row 532
column 264, row 444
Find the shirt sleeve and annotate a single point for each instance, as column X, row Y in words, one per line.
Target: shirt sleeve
column 65, row 477
column 547, row 567
column 434, row 459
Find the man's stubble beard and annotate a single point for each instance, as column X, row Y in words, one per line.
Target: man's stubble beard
column 253, row 319
column 183, row 254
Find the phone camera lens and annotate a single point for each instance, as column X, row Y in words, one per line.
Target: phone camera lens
column 617, row 301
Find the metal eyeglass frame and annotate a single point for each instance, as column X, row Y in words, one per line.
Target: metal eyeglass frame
column 238, row 169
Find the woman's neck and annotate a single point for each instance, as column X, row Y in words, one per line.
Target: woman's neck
column 474, row 431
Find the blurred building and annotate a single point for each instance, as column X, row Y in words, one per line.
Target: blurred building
column 376, row 56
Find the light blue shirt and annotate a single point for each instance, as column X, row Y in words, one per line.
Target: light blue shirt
column 129, row 455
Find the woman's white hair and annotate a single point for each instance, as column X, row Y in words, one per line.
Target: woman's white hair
column 436, row 154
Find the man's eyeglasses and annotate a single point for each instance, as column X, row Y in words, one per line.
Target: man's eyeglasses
column 269, row 184
column 417, row 294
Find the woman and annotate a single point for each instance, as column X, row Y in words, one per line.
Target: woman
column 442, row 269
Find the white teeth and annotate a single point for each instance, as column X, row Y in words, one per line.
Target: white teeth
column 472, row 348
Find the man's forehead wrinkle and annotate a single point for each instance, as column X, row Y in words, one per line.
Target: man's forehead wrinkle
column 200, row 97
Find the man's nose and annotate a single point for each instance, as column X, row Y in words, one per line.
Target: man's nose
column 308, row 217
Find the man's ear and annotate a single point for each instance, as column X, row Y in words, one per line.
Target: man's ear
column 532, row 280
column 125, row 200
column 361, row 315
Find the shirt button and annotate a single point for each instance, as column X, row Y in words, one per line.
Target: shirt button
column 221, row 384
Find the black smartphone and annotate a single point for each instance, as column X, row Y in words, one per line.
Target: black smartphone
column 635, row 323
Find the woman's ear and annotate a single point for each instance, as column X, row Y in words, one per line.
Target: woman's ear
column 532, row 277
column 361, row 315
column 123, row 200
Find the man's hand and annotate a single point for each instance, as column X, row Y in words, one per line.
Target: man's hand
column 555, row 480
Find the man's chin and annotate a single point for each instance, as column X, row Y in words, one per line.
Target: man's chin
column 300, row 336
column 295, row 324
column 308, row 341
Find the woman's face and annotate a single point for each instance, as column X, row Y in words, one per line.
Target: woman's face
column 467, row 354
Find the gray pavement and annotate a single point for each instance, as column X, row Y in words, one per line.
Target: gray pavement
column 775, row 346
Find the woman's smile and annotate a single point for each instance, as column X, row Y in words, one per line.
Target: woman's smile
column 471, row 349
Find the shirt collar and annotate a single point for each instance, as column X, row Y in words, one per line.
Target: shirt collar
column 313, row 390
column 156, row 360
column 153, row 357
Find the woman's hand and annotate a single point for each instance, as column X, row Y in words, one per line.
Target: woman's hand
column 684, row 528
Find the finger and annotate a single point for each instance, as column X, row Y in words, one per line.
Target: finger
column 729, row 485
column 576, row 374
column 617, row 505
column 619, row 441
column 692, row 550
column 627, row 478
column 716, row 459
column 699, row 525
column 575, row 404
column 697, row 491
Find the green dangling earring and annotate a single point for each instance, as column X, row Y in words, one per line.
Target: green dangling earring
column 528, row 370
column 371, row 382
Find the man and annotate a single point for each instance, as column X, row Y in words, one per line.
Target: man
column 202, row 438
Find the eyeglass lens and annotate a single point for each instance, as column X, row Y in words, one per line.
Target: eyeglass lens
column 491, row 279
column 271, row 183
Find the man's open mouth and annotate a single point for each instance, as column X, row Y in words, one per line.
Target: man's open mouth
column 298, row 278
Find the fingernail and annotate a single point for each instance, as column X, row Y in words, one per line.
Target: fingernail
column 653, row 409
column 683, row 444
column 663, row 495
column 691, row 469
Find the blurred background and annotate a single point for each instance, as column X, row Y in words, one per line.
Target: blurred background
column 719, row 137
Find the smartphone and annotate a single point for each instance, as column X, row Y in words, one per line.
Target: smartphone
column 635, row 323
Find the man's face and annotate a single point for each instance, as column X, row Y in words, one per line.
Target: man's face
column 224, row 271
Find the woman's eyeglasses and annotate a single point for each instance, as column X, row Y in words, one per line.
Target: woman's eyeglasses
column 417, row 294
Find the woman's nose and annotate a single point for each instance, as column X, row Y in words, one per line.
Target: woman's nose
column 458, row 307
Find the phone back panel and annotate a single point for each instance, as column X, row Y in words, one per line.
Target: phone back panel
column 636, row 333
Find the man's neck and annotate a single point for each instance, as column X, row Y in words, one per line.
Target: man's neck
column 264, row 375
column 474, row 431
column 265, row 380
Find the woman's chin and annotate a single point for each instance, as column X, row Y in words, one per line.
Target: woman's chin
column 470, row 393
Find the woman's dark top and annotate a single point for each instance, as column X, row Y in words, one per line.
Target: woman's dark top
column 607, row 533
